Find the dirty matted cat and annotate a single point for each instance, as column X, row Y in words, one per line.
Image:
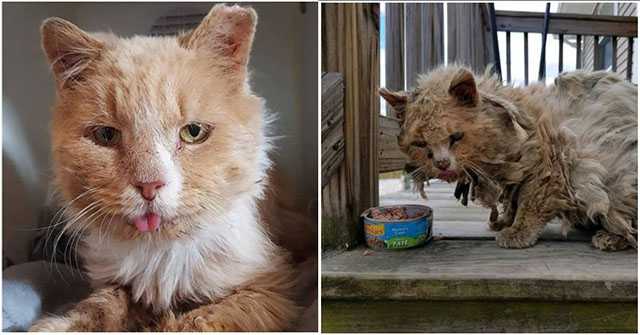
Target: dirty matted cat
column 161, row 156
column 566, row 150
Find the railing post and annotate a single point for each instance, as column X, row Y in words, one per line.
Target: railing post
column 560, row 52
column 394, row 51
column 614, row 53
column 508, row 56
column 578, row 52
column 542, row 70
column 424, row 24
column 629, row 58
column 494, row 35
column 596, row 58
column 526, row 58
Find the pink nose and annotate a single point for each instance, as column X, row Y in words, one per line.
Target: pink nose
column 442, row 164
column 149, row 190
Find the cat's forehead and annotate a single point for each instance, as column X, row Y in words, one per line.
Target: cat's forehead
column 155, row 81
column 144, row 55
column 421, row 128
column 148, row 74
column 421, row 108
column 424, row 116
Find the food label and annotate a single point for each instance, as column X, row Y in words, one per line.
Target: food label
column 375, row 229
column 397, row 235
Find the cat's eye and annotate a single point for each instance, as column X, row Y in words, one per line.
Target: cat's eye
column 419, row 144
column 455, row 137
column 105, row 136
column 194, row 133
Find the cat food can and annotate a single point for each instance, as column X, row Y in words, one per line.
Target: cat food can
column 397, row 227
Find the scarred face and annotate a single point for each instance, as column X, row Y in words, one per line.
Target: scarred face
column 448, row 127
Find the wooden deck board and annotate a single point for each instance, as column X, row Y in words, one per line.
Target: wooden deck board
column 472, row 270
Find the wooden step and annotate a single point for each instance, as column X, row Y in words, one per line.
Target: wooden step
column 472, row 269
column 459, row 277
column 389, row 316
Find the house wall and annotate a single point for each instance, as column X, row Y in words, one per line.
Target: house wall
column 627, row 9
column 623, row 9
column 283, row 67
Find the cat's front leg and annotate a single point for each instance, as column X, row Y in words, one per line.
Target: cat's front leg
column 531, row 216
column 104, row 310
column 264, row 304
column 52, row 324
column 245, row 310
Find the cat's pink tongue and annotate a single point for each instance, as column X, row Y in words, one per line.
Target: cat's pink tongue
column 147, row 222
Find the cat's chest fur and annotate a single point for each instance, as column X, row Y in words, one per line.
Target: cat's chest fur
column 204, row 266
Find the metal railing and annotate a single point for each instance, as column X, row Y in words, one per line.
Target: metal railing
column 562, row 24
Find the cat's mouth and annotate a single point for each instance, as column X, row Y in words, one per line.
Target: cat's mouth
column 147, row 223
column 448, row 175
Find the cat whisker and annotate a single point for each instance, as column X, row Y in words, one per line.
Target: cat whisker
column 70, row 223
column 101, row 226
column 77, row 234
column 481, row 173
column 103, row 214
column 60, row 214
column 57, row 218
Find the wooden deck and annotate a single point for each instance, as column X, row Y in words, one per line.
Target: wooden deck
column 463, row 282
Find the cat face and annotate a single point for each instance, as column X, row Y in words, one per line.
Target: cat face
column 154, row 135
column 447, row 125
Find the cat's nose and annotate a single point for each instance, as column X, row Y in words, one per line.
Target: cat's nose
column 442, row 164
column 149, row 190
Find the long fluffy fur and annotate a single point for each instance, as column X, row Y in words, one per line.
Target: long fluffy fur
column 566, row 150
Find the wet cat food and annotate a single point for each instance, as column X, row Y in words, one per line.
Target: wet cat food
column 397, row 227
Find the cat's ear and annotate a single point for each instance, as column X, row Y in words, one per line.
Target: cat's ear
column 68, row 48
column 397, row 100
column 226, row 32
column 463, row 88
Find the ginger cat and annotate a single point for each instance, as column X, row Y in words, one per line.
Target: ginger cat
column 161, row 157
column 567, row 150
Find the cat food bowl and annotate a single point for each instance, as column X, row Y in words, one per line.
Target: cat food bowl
column 397, row 227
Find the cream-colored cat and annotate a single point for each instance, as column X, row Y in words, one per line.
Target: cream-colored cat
column 160, row 154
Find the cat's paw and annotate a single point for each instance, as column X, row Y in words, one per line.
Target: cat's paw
column 191, row 322
column 515, row 239
column 607, row 241
column 205, row 324
column 51, row 324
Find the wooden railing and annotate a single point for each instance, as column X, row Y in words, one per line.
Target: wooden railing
column 332, row 134
column 596, row 26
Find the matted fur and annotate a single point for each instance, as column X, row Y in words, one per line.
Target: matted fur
column 567, row 150
column 211, row 265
